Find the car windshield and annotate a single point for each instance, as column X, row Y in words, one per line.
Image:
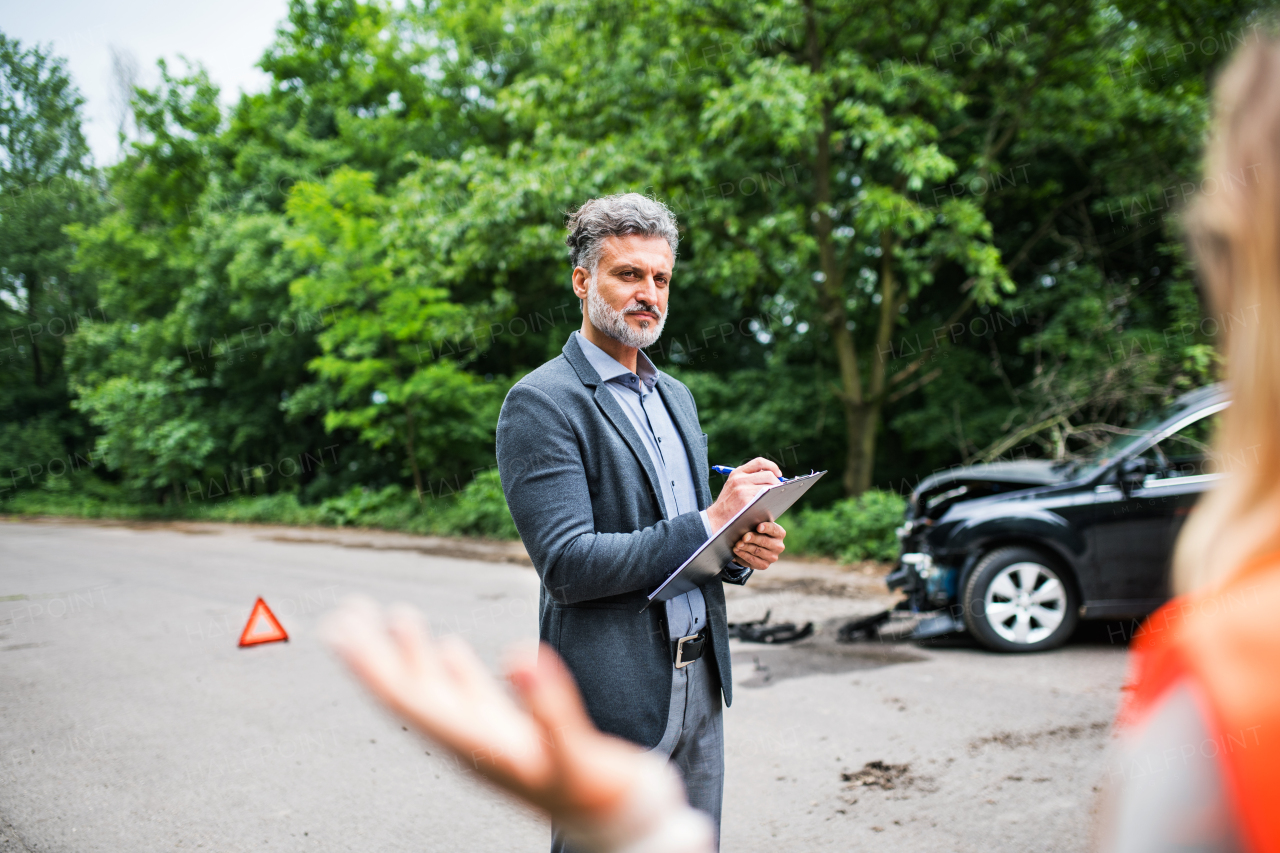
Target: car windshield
column 1116, row 445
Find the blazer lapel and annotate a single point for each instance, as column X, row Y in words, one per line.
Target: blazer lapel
column 691, row 433
column 613, row 411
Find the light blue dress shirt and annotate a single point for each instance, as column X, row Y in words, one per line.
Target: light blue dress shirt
column 637, row 394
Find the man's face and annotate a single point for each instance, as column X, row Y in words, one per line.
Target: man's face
column 633, row 279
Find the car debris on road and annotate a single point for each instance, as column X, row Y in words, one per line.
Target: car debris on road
column 759, row 631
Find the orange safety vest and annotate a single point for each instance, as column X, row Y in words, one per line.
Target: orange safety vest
column 1227, row 641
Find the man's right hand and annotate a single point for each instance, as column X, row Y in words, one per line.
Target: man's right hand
column 741, row 487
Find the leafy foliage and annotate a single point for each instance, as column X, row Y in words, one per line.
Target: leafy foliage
column 913, row 234
column 46, row 184
column 384, row 305
column 852, row 529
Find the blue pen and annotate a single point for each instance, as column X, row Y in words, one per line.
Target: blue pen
column 722, row 469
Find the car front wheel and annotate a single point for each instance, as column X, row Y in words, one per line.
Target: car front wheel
column 1018, row 601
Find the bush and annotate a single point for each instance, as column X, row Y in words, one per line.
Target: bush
column 359, row 506
column 853, row 529
column 80, row 496
column 263, row 509
column 480, row 510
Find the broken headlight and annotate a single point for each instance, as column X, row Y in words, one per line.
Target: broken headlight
column 938, row 581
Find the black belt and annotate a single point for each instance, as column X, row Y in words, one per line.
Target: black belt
column 688, row 649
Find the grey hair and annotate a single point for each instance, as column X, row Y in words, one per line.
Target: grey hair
column 616, row 215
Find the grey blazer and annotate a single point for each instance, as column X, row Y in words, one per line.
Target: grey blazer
column 583, row 493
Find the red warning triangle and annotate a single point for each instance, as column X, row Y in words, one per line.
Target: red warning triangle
column 262, row 627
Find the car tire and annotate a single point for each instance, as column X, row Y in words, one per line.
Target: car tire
column 1018, row 600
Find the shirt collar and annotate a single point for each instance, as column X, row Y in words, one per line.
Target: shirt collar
column 610, row 369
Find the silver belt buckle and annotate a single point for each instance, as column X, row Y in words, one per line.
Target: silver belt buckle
column 681, row 663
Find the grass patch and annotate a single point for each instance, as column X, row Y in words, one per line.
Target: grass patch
column 850, row 530
column 478, row 510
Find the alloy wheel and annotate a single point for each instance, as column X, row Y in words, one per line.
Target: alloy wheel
column 1025, row 603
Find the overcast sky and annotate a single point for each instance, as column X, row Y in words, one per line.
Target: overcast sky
column 227, row 37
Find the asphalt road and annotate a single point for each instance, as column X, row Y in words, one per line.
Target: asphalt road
column 130, row 721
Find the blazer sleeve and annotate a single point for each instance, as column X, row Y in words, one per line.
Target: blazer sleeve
column 545, row 483
column 736, row 574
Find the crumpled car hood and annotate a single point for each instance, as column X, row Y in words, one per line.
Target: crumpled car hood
column 941, row 489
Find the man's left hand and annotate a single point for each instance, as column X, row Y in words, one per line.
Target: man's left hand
column 760, row 548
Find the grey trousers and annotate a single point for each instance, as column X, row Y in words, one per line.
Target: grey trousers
column 693, row 741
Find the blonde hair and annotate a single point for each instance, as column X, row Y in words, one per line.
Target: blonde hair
column 1233, row 227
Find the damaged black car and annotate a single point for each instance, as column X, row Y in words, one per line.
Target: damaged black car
column 1016, row 553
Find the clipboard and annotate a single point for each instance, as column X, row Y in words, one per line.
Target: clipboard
column 716, row 552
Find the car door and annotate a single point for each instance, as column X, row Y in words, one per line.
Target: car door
column 1189, row 471
column 1133, row 532
column 1129, row 540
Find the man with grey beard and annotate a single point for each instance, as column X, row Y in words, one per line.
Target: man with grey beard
column 604, row 466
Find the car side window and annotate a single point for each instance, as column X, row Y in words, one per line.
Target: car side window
column 1185, row 453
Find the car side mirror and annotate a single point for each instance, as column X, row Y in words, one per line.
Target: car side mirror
column 1133, row 473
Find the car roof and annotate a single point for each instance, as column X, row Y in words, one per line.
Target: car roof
column 1200, row 396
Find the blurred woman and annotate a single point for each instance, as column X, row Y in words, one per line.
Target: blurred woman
column 1201, row 726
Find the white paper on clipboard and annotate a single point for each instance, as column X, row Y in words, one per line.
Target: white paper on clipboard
column 716, row 552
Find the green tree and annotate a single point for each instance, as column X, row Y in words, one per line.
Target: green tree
column 46, row 184
column 130, row 375
column 912, row 235
column 873, row 176
column 385, row 305
column 195, row 273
